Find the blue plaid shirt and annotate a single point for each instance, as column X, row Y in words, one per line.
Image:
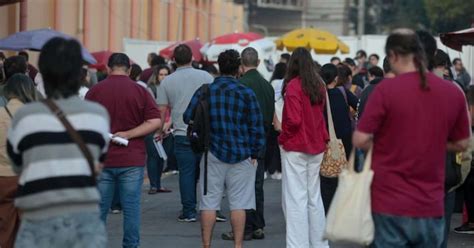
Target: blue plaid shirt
column 236, row 121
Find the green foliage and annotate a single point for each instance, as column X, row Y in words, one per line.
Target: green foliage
column 437, row 16
column 449, row 15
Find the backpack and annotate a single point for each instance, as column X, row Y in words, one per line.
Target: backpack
column 199, row 128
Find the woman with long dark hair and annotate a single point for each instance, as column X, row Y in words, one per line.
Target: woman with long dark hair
column 154, row 162
column 303, row 139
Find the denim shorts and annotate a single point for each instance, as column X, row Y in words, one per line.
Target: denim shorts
column 238, row 179
column 77, row 230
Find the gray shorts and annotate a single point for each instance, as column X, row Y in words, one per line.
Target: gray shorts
column 238, row 179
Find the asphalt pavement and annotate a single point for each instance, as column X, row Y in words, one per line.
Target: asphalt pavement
column 159, row 228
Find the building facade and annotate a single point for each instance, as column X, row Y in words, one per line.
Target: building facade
column 102, row 24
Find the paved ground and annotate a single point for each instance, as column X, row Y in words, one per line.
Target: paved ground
column 161, row 230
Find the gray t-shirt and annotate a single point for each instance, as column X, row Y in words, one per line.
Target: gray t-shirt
column 177, row 89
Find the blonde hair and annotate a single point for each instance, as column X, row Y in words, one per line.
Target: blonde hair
column 21, row 87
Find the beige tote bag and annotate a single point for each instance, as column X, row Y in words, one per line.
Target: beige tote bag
column 335, row 156
column 349, row 219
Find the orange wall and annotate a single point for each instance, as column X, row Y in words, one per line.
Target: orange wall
column 105, row 23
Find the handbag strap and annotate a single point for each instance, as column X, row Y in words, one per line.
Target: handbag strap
column 332, row 131
column 8, row 111
column 75, row 136
column 367, row 161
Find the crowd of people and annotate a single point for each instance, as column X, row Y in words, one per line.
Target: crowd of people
column 63, row 170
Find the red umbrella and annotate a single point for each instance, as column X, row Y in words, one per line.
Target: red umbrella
column 195, row 46
column 102, row 58
column 242, row 39
column 456, row 40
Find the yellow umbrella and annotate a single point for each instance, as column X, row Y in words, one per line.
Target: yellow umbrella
column 321, row 41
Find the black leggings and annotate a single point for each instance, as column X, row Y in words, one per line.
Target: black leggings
column 469, row 195
column 272, row 155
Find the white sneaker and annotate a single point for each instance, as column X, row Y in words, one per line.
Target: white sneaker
column 279, row 176
column 276, row 176
column 265, row 176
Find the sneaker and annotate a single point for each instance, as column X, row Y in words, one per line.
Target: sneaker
column 230, row 236
column 116, row 211
column 466, row 228
column 220, row 217
column 276, row 176
column 258, row 234
column 265, row 176
column 181, row 218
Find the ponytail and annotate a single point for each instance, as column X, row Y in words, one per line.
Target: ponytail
column 422, row 72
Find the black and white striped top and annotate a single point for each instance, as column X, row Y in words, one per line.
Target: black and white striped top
column 55, row 177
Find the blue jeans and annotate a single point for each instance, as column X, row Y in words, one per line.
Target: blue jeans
column 186, row 159
column 154, row 163
column 129, row 180
column 116, row 200
column 75, row 230
column 398, row 232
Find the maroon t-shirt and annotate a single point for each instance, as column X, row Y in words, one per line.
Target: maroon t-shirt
column 411, row 128
column 129, row 105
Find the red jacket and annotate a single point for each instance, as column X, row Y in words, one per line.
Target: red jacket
column 303, row 125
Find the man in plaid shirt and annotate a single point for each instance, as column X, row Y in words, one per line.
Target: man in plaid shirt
column 237, row 135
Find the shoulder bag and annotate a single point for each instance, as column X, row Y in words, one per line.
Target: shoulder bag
column 335, row 156
column 349, row 218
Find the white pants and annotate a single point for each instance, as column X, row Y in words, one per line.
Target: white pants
column 302, row 204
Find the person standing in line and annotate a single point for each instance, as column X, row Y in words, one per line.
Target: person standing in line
column 237, row 137
column 154, row 163
column 32, row 71
column 462, row 76
column 410, row 139
column 153, row 60
column 373, row 60
column 439, row 66
column 376, row 79
column 251, row 78
column 341, row 101
column 303, row 139
column 175, row 92
column 19, row 90
column 335, row 60
column 284, row 58
column 134, row 114
column 12, row 66
column 273, row 157
column 57, row 192
column 467, row 226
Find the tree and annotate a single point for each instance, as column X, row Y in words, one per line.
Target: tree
column 449, row 15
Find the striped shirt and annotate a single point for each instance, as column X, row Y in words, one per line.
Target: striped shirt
column 55, row 177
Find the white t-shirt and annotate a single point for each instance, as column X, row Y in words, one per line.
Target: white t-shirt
column 278, row 87
column 82, row 92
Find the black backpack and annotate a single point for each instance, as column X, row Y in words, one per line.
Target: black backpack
column 199, row 129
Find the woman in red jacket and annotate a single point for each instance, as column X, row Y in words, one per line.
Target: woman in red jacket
column 303, row 140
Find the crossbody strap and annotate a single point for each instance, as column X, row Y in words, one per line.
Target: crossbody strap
column 8, row 112
column 332, row 131
column 75, row 136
